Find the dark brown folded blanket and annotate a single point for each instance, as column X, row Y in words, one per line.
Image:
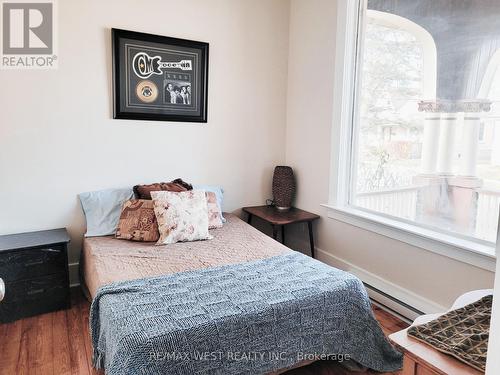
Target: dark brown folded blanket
column 177, row 185
column 462, row 333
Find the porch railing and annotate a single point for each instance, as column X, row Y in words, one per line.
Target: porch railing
column 396, row 202
column 403, row 203
column 488, row 204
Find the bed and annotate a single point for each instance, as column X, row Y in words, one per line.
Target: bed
column 240, row 303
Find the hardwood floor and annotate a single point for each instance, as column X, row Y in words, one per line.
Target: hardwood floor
column 59, row 344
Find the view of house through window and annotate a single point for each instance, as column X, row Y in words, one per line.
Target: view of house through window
column 427, row 129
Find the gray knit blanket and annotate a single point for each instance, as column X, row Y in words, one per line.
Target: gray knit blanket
column 250, row 318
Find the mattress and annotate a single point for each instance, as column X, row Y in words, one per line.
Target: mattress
column 106, row 260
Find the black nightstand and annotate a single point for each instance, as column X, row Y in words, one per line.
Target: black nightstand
column 34, row 268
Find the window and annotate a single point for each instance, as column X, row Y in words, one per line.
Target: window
column 424, row 116
column 481, row 132
column 389, row 132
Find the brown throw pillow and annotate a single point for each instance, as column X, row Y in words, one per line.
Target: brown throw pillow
column 138, row 221
column 177, row 185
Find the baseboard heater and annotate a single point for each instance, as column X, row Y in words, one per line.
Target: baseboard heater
column 393, row 305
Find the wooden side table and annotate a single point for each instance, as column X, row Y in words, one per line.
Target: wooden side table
column 279, row 219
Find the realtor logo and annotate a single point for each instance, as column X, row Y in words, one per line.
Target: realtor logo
column 28, row 35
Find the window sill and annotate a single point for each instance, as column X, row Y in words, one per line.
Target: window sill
column 478, row 254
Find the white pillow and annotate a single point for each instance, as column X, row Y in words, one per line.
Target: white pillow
column 181, row 216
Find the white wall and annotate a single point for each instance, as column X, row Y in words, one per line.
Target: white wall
column 493, row 362
column 58, row 138
column 429, row 278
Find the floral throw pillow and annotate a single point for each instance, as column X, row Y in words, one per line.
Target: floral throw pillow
column 214, row 215
column 138, row 221
column 181, row 216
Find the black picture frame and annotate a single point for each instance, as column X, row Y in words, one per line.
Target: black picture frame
column 159, row 78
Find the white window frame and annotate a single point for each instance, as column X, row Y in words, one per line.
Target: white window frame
column 475, row 252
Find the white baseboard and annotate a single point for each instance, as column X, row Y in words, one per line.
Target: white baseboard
column 401, row 300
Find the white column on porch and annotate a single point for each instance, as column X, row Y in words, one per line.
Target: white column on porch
column 495, row 146
column 430, row 143
column 469, row 145
column 446, row 143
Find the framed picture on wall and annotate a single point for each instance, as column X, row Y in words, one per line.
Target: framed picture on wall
column 159, row 78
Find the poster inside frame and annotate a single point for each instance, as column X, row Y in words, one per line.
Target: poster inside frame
column 159, row 78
